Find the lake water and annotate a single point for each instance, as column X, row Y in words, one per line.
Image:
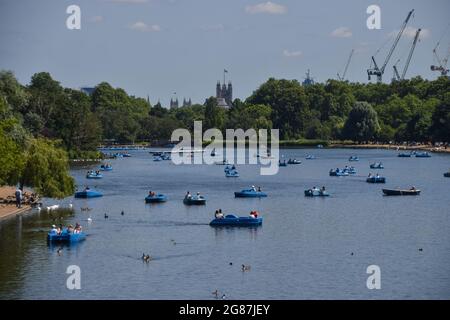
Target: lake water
column 303, row 250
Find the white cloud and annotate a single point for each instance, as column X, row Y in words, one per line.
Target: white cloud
column 142, row 26
column 266, row 7
column 292, row 54
column 341, row 32
column 410, row 32
column 96, row 19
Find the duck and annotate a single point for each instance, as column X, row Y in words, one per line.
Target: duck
column 147, row 258
column 246, row 268
column 122, row 213
column 59, row 251
column 106, row 216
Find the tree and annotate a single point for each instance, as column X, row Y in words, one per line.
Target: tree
column 214, row 115
column 46, row 170
column 362, row 123
column 441, row 120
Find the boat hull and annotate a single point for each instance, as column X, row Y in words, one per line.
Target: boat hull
column 66, row 237
column 397, row 192
column 236, row 222
column 250, row 194
column 194, row 202
column 88, row 194
column 376, row 180
column 156, row 199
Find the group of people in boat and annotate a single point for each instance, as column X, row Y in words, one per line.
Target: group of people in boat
column 189, row 195
column 321, row 190
column 373, row 176
column 219, row 215
column 70, row 229
column 256, row 189
column 92, row 172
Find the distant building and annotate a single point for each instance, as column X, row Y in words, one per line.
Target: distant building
column 87, row 90
column 187, row 103
column 224, row 94
column 308, row 80
column 173, row 103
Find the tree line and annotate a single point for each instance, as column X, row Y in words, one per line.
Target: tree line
column 43, row 121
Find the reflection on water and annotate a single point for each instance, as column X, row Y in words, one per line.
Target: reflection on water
column 302, row 250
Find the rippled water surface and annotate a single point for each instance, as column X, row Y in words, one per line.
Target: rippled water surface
column 302, row 251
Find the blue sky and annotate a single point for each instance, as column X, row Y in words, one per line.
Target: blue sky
column 158, row 47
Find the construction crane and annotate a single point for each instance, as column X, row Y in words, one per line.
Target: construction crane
column 408, row 60
column 376, row 71
column 396, row 74
column 346, row 66
column 442, row 64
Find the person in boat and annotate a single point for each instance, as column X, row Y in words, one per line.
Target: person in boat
column 233, row 167
column 259, row 189
column 377, row 176
column 188, row 195
column 198, row 195
column 77, row 228
column 370, row 175
column 87, row 188
column 253, row 188
column 151, row 193
column 219, row 214
column 254, row 214
column 54, row 229
column 69, row 228
column 413, row 188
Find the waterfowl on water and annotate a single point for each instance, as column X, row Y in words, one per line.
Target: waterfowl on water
column 59, row 251
column 106, row 216
column 122, row 213
column 246, row 268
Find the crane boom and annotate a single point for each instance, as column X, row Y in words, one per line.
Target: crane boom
column 380, row 71
column 346, row 66
column 348, row 63
column 416, row 37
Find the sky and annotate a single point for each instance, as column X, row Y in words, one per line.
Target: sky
column 162, row 47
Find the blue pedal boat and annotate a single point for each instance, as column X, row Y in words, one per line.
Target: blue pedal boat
column 235, row 221
column 353, row 158
column 349, row 170
column 376, row 165
column 316, row 193
column 94, row 176
column 88, row 193
column 338, row 173
column 65, row 236
column 194, row 200
column 250, row 193
column 157, row 198
column 232, row 174
column 310, row 157
column 404, row 155
column 376, row 179
column 294, row 161
column 106, row 167
column 422, row 155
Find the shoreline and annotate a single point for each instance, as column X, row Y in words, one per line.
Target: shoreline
column 390, row 147
column 10, row 210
